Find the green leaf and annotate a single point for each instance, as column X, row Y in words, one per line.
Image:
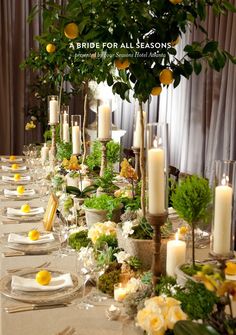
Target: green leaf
column 73, row 190
column 110, row 80
column 229, row 6
column 197, row 66
column 177, row 80
column 210, row 47
column 193, row 328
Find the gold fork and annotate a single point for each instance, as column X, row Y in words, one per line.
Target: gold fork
column 67, row 331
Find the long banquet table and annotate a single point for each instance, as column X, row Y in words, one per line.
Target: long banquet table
column 51, row 321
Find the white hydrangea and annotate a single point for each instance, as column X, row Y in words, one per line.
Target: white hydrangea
column 127, row 228
column 122, row 256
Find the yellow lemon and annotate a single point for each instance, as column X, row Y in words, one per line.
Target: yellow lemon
column 50, row 48
column 156, row 90
column 230, row 268
column 34, row 235
column 122, row 64
column 17, row 177
column 25, row 208
column 166, row 77
column 71, row 30
column 183, row 230
column 20, row 189
column 175, row 2
column 43, row 277
column 12, row 158
column 15, row 166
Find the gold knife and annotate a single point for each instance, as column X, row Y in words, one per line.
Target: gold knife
column 34, row 307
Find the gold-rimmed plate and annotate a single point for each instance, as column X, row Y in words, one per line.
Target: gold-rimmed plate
column 41, row 297
column 19, row 197
column 33, row 249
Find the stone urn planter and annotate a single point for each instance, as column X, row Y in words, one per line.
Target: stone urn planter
column 142, row 249
column 93, row 215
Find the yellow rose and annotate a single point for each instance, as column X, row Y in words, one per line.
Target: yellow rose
column 152, row 323
column 174, row 314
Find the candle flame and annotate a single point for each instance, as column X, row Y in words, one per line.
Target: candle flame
column 225, row 180
column 157, row 142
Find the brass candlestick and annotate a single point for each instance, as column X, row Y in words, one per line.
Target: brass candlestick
column 156, row 221
column 136, row 152
column 104, row 142
column 53, row 150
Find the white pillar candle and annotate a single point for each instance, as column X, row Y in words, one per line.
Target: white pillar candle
column 156, row 181
column 222, row 218
column 175, row 255
column 53, row 111
column 76, row 141
column 138, row 131
column 65, row 132
column 104, row 122
column 44, row 153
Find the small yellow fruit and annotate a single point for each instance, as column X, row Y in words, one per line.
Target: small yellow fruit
column 175, row 2
column 34, row 235
column 50, row 48
column 166, row 77
column 25, row 208
column 71, row 31
column 121, row 64
column 175, row 42
column 230, row 268
column 183, row 230
column 15, row 166
column 156, row 90
column 20, row 189
column 17, row 177
column 43, row 277
column 12, row 158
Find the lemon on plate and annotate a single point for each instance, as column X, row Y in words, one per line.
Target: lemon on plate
column 12, row 158
column 25, row 208
column 17, row 177
column 34, row 235
column 15, row 166
column 43, row 277
column 20, row 189
column 230, row 268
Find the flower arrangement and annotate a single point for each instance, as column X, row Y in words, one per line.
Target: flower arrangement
column 99, row 229
column 30, row 125
column 160, row 314
column 103, row 202
column 71, row 164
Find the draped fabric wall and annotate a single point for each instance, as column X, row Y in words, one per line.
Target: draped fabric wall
column 201, row 111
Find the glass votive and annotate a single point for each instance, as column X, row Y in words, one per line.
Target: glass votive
column 104, row 122
column 157, row 168
column 120, row 292
column 222, row 241
column 53, row 109
column 64, row 110
column 65, row 128
column 137, row 129
column 76, row 134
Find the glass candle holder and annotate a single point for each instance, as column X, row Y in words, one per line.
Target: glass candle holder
column 53, row 110
column 120, row 292
column 76, row 134
column 65, row 128
column 104, row 122
column 157, row 168
column 222, row 240
column 64, row 110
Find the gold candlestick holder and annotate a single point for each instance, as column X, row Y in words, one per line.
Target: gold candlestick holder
column 136, row 152
column 156, row 221
column 53, row 151
column 103, row 142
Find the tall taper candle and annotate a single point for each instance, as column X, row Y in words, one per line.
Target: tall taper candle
column 156, row 181
column 76, row 141
column 53, row 112
column 222, row 218
column 104, row 122
column 65, row 132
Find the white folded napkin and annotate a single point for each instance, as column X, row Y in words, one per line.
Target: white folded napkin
column 20, row 239
column 9, row 168
column 30, row 285
column 33, row 211
column 9, row 178
column 14, row 192
column 7, row 159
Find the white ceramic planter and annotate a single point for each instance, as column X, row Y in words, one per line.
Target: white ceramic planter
column 93, row 215
column 72, row 181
